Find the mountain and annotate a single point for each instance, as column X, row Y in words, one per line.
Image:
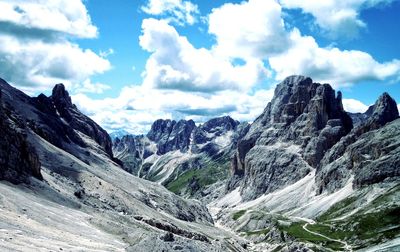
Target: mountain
column 118, row 134
column 62, row 189
column 304, row 176
column 186, row 158
column 305, row 173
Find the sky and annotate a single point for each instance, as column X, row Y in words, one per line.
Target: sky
column 127, row 63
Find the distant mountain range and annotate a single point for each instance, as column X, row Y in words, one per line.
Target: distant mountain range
column 304, row 176
column 119, row 134
column 185, row 158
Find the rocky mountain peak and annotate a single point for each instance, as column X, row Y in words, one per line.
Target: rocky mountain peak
column 61, row 96
column 290, row 99
column 307, row 117
column 224, row 122
column 160, row 128
column 384, row 110
column 171, row 135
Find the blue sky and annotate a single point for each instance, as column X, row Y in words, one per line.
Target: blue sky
column 129, row 62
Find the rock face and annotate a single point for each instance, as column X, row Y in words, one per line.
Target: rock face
column 172, row 148
column 78, row 121
column 18, row 159
column 171, row 135
column 55, row 119
column 303, row 120
column 370, row 152
column 132, row 150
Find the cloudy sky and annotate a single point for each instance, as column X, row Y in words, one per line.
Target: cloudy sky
column 130, row 62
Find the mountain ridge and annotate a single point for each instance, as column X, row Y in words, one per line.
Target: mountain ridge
column 79, row 198
column 303, row 165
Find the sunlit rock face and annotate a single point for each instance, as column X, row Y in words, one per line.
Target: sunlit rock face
column 303, row 120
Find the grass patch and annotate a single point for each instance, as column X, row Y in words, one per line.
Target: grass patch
column 210, row 173
column 337, row 209
column 296, row 230
column 181, row 182
column 258, row 232
column 238, row 214
column 363, row 229
column 372, row 224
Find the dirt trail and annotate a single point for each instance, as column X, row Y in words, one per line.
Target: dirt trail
column 346, row 246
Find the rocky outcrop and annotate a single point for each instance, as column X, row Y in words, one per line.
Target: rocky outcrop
column 303, row 120
column 171, row 135
column 382, row 112
column 57, row 120
column 78, row 121
column 213, row 128
column 132, row 150
column 369, row 152
column 18, row 159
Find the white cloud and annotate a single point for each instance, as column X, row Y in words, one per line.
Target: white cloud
column 249, row 29
column 260, row 34
column 178, row 11
column 137, row 107
column 354, row 106
column 338, row 18
column 175, row 63
column 105, row 54
column 65, row 16
column 89, row 87
column 35, row 65
column 36, row 51
column 182, row 81
column 330, row 65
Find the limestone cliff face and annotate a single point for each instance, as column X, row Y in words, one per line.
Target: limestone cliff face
column 57, row 120
column 79, row 121
column 303, row 120
column 171, row 135
column 370, row 152
column 18, row 159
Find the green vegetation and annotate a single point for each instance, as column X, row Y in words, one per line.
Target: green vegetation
column 376, row 222
column 210, row 173
column 238, row 214
column 258, row 232
column 296, row 230
column 338, row 209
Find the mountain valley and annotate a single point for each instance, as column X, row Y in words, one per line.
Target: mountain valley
column 305, row 175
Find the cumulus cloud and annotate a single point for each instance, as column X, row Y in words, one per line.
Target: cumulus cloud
column 337, row 18
column 35, row 47
column 249, row 29
column 137, row 107
column 182, row 81
column 64, row 16
column 354, row 106
column 332, row 65
column 89, row 87
column 175, row 63
column 178, row 11
column 261, row 34
column 34, row 65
